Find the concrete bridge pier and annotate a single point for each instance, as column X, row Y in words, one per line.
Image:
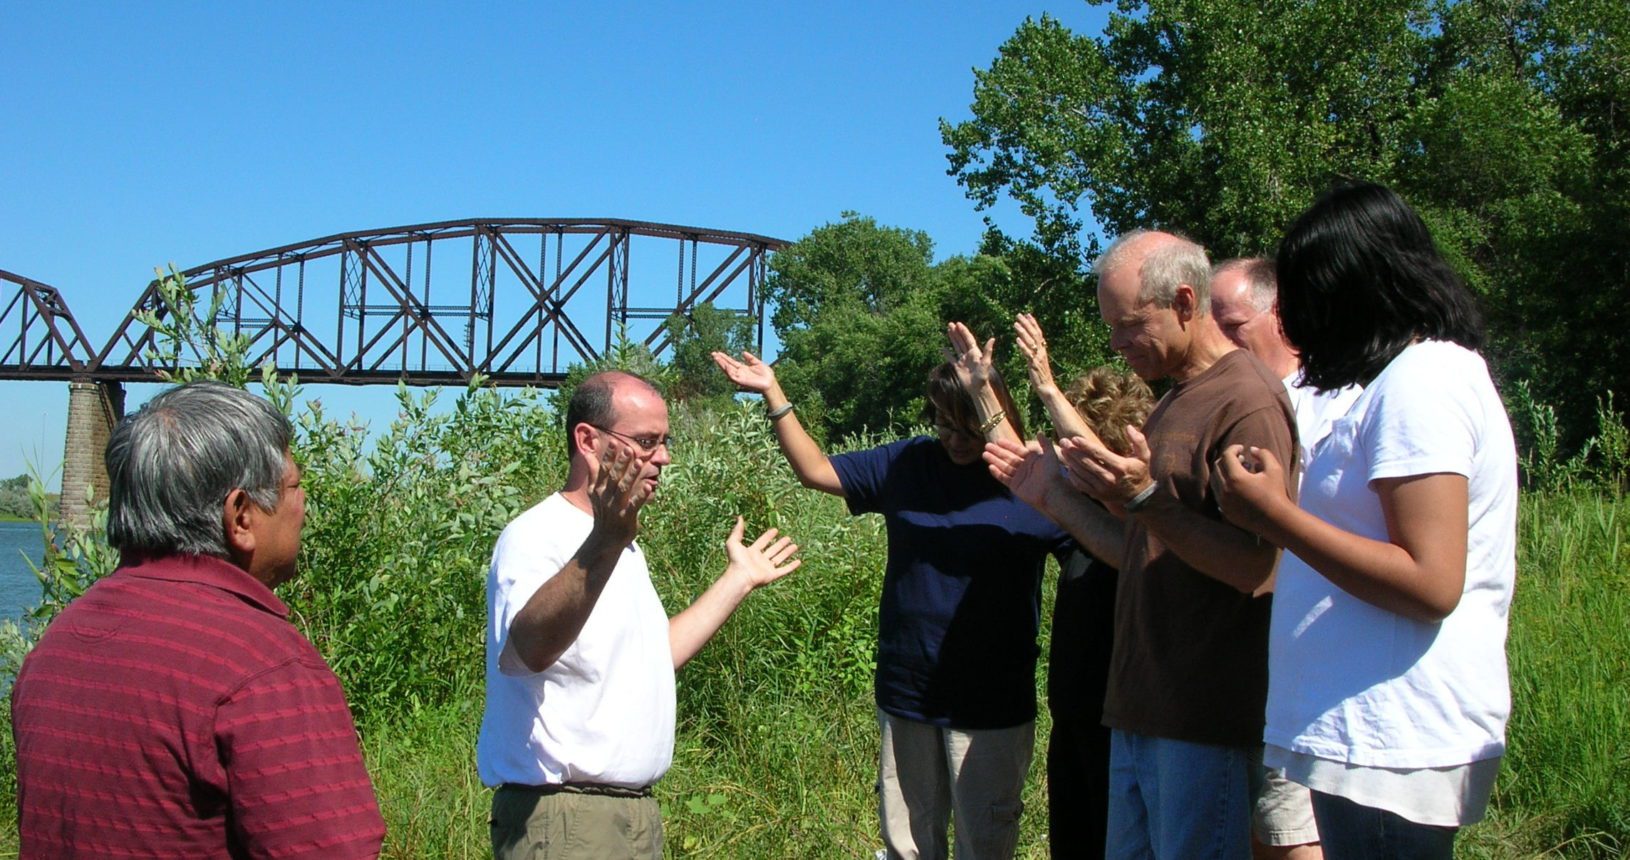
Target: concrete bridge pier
column 93, row 410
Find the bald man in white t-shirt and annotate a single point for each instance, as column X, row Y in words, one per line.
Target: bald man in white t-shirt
column 581, row 656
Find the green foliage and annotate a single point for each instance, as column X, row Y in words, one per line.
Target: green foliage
column 190, row 343
column 863, row 314
column 695, row 337
column 1504, row 122
column 15, row 502
column 395, row 547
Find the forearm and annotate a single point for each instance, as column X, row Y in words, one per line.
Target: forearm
column 555, row 614
column 695, row 625
column 1425, row 585
column 805, row 456
column 1095, row 529
column 1066, row 421
column 988, row 406
column 1218, row 549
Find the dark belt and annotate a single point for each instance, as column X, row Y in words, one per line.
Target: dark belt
column 592, row 788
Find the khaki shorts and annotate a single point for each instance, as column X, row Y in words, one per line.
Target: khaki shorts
column 531, row 825
column 1281, row 810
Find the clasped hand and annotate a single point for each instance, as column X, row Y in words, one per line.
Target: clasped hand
column 1103, row 474
column 1248, row 483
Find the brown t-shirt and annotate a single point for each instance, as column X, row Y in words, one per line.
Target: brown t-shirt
column 1191, row 653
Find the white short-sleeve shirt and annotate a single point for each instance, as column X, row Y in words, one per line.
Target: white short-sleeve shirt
column 1353, row 683
column 604, row 712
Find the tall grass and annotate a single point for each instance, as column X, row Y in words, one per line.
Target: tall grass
column 1564, row 789
column 776, row 749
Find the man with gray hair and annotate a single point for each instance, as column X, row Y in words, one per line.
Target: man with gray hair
column 1244, row 299
column 172, row 710
column 1188, row 673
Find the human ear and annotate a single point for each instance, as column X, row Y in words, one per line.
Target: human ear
column 1183, row 302
column 238, row 513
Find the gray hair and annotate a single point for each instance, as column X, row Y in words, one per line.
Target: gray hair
column 1165, row 266
column 1260, row 276
column 172, row 464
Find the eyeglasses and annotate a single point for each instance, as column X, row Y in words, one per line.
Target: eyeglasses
column 949, row 430
column 648, row 444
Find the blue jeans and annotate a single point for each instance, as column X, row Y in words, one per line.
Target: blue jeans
column 1349, row 830
column 1176, row 800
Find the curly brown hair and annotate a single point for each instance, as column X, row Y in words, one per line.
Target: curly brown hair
column 1109, row 400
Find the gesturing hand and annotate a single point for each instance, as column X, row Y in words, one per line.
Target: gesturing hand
column 1248, row 482
column 749, row 374
column 1103, row 474
column 1029, row 470
column 1034, row 346
column 616, row 492
column 764, row 560
column 971, row 363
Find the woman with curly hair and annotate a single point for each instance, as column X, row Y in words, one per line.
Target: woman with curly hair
column 1104, row 400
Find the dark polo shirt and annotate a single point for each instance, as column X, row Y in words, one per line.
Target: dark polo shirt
column 173, row 711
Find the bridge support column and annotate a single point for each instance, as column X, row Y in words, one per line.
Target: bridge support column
column 93, row 410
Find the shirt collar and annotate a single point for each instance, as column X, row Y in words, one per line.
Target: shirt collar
column 210, row 571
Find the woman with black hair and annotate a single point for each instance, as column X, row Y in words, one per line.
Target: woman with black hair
column 961, row 604
column 1388, row 692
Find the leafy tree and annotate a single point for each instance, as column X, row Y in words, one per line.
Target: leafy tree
column 1502, row 120
column 862, row 314
column 695, row 337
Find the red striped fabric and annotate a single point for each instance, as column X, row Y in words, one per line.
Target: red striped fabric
column 173, row 711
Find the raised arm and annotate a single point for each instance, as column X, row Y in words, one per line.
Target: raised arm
column 807, row 459
column 977, row 374
column 1066, row 421
column 1419, row 572
column 555, row 614
column 750, row 567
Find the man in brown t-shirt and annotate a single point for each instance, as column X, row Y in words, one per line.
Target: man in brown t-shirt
column 1188, row 677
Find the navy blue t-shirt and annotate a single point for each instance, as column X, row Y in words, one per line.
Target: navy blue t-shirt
column 962, row 590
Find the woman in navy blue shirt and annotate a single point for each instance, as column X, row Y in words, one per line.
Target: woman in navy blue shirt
column 956, row 655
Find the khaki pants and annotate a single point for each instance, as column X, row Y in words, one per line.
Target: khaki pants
column 929, row 773
column 530, row 825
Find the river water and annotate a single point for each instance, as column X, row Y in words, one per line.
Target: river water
column 19, row 590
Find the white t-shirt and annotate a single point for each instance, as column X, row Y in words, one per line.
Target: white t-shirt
column 604, row 712
column 1315, row 412
column 1350, row 682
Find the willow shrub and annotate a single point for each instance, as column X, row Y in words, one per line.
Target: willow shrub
column 398, row 535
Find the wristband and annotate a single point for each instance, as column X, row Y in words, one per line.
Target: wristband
column 779, row 411
column 991, row 422
column 1141, row 500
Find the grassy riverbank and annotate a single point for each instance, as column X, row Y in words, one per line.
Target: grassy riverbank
column 776, row 749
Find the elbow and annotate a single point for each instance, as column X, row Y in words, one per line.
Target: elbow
column 1431, row 608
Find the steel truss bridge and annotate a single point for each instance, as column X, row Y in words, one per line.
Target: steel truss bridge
column 514, row 301
column 517, row 301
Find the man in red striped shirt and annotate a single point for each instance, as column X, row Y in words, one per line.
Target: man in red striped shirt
column 172, row 710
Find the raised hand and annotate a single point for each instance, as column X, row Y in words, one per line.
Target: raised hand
column 749, row 374
column 1034, row 346
column 1103, row 474
column 616, row 492
column 764, row 560
column 971, row 362
column 1248, row 484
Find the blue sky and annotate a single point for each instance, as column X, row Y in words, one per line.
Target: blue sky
column 145, row 134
